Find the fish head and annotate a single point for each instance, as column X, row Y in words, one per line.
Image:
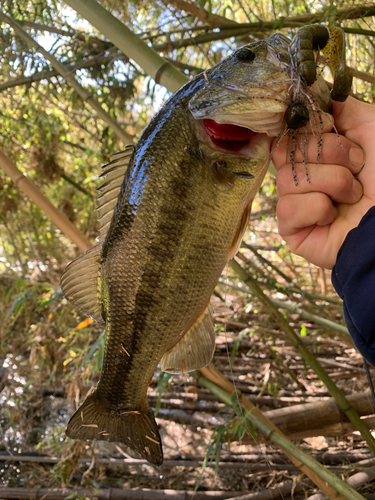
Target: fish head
column 242, row 104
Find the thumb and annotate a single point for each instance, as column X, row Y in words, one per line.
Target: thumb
column 351, row 114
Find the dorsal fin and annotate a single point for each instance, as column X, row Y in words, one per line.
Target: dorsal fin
column 113, row 173
column 80, row 285
column 80, row 281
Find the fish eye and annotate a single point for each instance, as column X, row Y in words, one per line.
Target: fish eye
column 245, row 55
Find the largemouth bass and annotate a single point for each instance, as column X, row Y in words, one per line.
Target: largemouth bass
column 173, row 211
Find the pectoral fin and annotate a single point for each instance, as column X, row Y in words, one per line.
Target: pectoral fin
column 195, row 350
column 233, row 249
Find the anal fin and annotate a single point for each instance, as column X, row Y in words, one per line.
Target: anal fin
column 195, row 350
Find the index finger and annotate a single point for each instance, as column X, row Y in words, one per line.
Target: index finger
column 334, row 149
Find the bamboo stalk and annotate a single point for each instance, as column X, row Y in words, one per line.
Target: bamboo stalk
column 81, row 91
column 162, row 71
column 298, row 344
column 215, row 377
column 328, row 482
column 62, row 222
column 355, row 481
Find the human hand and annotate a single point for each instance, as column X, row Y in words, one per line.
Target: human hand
column 314, row 218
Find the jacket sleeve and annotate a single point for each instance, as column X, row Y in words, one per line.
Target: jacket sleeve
column 353, row 277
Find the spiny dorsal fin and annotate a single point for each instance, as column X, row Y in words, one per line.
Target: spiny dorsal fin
column 80, row 285
column 80, row 281
column 195, row 350
column 113, row 173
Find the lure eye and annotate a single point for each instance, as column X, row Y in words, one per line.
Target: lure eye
column 245, row 55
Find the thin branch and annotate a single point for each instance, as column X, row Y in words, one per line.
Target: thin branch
column 71, row 181
column 203, row 15
column 82, row 92
column 252, row 29
column 297, row 310
column 47, row 75
column 44, row 27
column 200, row 39
column 356, row 12
column 92, row 40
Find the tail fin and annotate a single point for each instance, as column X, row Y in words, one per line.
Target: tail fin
column 136, row 429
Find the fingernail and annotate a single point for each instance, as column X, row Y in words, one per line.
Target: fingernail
column 357, row 157
column 358, row 189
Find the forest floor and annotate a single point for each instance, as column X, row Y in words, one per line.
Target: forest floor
column 51, row 359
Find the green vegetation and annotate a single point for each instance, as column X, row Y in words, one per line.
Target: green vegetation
column 51, row 354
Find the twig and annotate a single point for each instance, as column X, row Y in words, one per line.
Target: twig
column 304, row 314
column 298, row 344
column 46, row 75
column 64, row 72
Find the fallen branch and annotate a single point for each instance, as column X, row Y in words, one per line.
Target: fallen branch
column 293, row 419
column 272, row 493
column 114, row 494
column 355, row 481
column 219, row 385
column 116, row 462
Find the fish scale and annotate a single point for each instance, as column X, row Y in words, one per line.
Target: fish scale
column 168, row 229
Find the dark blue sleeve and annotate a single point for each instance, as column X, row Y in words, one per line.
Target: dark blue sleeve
column 353, row 277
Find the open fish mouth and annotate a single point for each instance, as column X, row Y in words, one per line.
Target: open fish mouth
column 229, row 137
column 236, row 134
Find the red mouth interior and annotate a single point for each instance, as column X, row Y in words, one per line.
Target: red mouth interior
column 227, row 136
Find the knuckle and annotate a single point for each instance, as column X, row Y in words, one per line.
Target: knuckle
column 284, row 208
column 284, row 179
column 343, row 180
